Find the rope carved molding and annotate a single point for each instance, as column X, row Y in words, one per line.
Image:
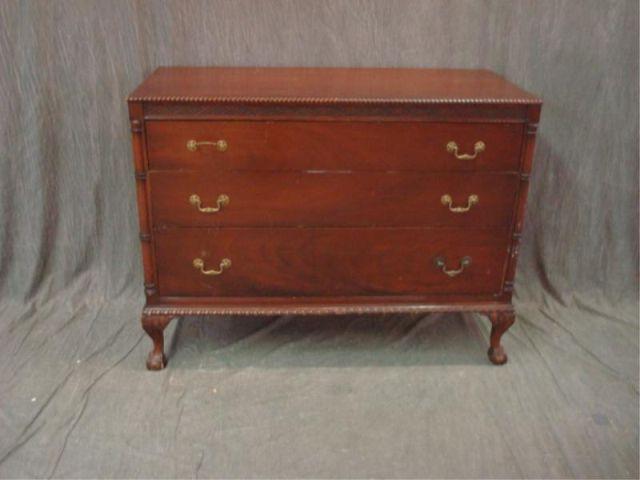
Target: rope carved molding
column 320, row 100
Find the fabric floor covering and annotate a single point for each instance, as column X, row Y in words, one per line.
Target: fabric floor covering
column 325, row 397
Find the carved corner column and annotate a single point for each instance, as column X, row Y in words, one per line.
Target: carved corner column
column 139, row 158
column 154, row 325
column 528, row 147
column 502, row 320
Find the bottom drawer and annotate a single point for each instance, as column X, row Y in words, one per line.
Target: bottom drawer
column 329, row 261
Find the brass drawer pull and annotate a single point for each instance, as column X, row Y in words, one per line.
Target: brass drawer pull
column 198, row 264
column 448, row 201
column 441, row 263
column 222, row 201
column 452, row 147
column 221, row 145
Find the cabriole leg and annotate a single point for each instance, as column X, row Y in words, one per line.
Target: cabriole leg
column 154, row 325
column 500, row 323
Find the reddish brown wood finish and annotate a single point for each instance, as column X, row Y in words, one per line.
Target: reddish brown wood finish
column 500, row 323
column 137, row 130
column 525, row 171
column 275, row 199
column 154, row 325
column 289, row 262
column 329, row 85
column 325, row 305
column 344, row 146
column 460, row 112
column 358, row 152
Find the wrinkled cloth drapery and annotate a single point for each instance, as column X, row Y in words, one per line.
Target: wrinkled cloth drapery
column 341, row 397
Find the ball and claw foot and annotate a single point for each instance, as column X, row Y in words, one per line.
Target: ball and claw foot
column 156, row 361
column 500, row 323
column 154, row 325
column 497, row 356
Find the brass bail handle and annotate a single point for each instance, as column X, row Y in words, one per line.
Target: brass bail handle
column 441, row 263
column 479, row 146
column 221, row 145
column 221, row 201
column 198, row 264
column 447, row 201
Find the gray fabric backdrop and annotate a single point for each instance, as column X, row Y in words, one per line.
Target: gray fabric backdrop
column 391, row 396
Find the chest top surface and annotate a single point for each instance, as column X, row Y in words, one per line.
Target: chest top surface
column 329, row 85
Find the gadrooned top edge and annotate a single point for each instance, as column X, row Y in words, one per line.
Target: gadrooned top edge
column 331, row 101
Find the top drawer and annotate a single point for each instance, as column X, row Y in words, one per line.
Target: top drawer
column 341, row 145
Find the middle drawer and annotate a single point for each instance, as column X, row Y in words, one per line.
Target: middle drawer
column 331, row 199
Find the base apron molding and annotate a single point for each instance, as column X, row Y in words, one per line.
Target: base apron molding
column 319, row 310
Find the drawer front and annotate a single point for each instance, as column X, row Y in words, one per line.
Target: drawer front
column 295, row 145
column 329, row 261
column 331, row 199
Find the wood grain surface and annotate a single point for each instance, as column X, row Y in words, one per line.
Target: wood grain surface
column 329, row 261
column 329, row 85
column 332, row 170
column 71, row 282
column 271, row 199
column 339, row 145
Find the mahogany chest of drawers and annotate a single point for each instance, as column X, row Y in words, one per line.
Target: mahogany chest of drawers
column 330, row 191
